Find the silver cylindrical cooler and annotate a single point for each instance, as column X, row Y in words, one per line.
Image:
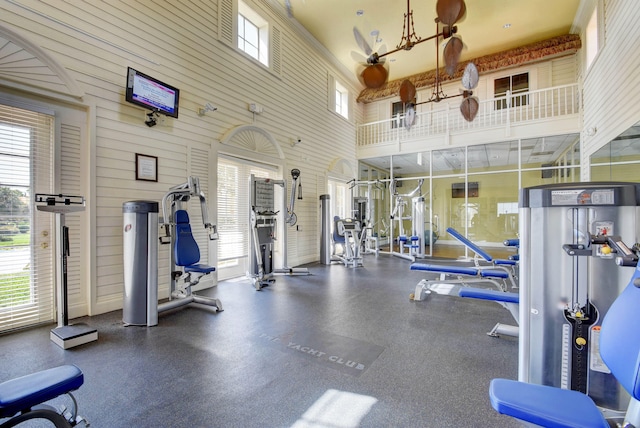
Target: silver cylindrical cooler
column 567, row 283
column 140, row 241
column 325, row 230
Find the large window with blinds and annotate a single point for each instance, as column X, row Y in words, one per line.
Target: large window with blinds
column 233, row 213
column 26, row 238
column 340, row 199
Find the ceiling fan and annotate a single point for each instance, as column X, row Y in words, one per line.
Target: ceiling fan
column 468, row 107
column 375, row 74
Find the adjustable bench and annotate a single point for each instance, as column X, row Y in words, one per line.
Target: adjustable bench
column 21, row 398
column 453, row 277
column 508, row 265
column 460, row 281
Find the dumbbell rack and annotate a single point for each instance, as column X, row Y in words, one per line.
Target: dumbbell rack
column 64, row 335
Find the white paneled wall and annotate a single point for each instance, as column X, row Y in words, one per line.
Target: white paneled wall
column 177, row 42
column 612, row 84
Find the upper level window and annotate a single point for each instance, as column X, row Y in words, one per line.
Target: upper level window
column 342, row 100
column 517, row 85
column 397, row 113
column 253, row 34
column 591, row 36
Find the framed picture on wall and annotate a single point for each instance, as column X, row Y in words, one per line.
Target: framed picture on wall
column 146, row 167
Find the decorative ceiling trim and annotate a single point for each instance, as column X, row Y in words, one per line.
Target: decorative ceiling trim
column 25, row 63
column 528, row 54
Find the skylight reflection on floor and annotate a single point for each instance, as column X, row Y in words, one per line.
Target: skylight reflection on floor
column 336, row 409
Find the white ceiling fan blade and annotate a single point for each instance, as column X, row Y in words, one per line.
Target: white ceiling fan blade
column 362, row 42
column 470, row 76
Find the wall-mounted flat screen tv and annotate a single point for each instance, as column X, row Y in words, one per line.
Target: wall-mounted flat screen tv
column 457, row 190
column 150, row 93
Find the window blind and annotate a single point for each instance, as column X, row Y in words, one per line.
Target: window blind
column 27, row 241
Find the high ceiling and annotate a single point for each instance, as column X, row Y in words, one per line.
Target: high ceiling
column 490, row 26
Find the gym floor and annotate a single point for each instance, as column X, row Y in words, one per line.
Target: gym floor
column 342, row 347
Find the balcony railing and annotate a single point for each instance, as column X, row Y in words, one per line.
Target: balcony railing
column 507, row 111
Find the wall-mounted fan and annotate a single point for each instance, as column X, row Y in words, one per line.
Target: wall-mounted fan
column 374, row 73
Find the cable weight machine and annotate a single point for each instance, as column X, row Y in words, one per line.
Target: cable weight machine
column 264, row 227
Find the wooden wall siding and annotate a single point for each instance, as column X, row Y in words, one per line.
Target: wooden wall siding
column 611, row 87
column 178, row 43
column 71, row 184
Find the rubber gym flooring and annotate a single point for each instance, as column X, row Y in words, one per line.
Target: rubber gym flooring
column 342, row 347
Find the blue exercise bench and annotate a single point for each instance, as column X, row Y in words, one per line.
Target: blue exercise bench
column 462, row 281
column 22, row 398
column 481, row 255
column 619, row 347
column 499, row 273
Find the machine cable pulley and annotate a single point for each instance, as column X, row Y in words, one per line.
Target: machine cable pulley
column 296, row 185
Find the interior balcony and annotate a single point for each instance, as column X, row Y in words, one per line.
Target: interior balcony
column 538, row 113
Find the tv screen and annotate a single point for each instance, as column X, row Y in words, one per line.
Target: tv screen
column 147, row 92
column 457, row 190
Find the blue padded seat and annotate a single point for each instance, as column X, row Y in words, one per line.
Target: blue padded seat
column 545, row 405
column 505, row 262
column 485, row 294
column 493, row 273
column 185, row 250
column 512, row 243
column 460, row 270
column 22, row 393
column 199, row 267
column 337, row 238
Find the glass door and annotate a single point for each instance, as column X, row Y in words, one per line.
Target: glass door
column 26, row 235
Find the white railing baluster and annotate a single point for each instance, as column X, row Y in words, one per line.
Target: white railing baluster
column 526, row 107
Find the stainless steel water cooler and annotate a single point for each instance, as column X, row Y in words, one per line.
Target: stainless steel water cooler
column 567, row 282
column 140, row 249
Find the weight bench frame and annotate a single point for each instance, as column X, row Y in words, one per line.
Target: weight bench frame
column 508, row 300
column 22, row 398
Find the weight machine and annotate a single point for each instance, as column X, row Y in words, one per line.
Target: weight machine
column 184, row 255
column 414, row 243
column 570, row 235
column 347, row 233
column 264, row 228
column 363, row 212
